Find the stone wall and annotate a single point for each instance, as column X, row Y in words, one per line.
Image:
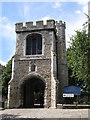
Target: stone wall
column 61, row 60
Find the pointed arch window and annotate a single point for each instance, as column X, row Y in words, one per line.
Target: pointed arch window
column 34, row 44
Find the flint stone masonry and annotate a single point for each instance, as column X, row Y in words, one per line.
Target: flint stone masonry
column 30, row 27
column 50, row 66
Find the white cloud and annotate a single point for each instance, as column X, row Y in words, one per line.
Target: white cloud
column 78, row 12
column 57, row 5
column 26, row 10
column 85, row 8
column 3, row 63
column 71, row 27
column 7, row 32
column 8, row 29
column 46, row 18
column 76, row 25
column 83, row 2
column 80, row 1
column 85, row 5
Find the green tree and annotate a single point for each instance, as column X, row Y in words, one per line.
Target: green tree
column 77, row 57
column 6, row 76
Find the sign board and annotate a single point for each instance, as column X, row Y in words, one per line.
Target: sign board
column 76, row 90
column 68, row 95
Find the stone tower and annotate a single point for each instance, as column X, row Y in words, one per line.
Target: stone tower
column 39, row 68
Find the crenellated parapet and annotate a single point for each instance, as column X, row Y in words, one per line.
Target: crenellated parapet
column 50, row 24
column 60, row 27
column 61, row 24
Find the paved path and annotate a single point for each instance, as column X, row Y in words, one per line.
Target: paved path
column 60, row 114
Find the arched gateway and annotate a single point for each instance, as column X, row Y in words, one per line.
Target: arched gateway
column 32, row 91
column 39, row 68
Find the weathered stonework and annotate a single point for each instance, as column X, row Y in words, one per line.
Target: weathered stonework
column 51, row 65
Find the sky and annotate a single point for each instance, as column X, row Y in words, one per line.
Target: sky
column 12, row 12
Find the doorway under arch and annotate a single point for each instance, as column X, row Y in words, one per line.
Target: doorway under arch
column 33, row 93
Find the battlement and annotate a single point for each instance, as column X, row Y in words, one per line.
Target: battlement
column 61, row 23
column 39, row 25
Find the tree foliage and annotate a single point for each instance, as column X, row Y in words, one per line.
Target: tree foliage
column 77, row 56
column 6, row 76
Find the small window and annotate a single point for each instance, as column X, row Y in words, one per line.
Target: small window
column 33, row 68
column 34, row 44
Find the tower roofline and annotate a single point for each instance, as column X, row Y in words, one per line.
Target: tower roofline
column 39, row 25
column 29, row 26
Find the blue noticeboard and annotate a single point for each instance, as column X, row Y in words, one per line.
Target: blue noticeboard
column 72, row 90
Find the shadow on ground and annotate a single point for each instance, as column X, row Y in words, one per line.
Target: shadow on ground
column 15, row 117
column 8, row 117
